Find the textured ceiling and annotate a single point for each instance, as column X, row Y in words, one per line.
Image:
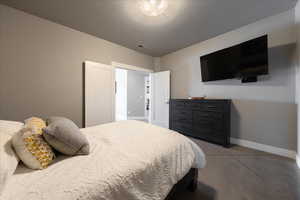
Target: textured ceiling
column 185, row 22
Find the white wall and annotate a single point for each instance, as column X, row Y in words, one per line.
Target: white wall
column 41, row 65
column 249, row 99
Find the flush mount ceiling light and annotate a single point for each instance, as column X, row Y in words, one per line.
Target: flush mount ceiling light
column 153, row 7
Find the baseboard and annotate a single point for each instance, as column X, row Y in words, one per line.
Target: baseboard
column 137, row 118
column 266, row 148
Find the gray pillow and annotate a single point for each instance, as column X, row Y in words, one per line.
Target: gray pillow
column 64, row 136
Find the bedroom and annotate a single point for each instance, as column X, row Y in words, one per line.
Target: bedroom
column 43, row 48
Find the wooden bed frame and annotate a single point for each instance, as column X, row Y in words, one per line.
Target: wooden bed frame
column 189, row 182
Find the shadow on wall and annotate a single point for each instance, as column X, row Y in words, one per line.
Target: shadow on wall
column 280, row 66
column 265, row 122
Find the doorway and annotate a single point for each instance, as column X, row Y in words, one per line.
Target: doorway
column 108, row 95
column 132, row 95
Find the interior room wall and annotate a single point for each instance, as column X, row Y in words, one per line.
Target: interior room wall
column 135, row 94
column 297, row 17
column 262, row 112
column 41, row 66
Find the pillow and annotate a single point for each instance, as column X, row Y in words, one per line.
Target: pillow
column 64, row 136
column 37, row 123
column 32, row 149
column 10, row 127
column 8, row 160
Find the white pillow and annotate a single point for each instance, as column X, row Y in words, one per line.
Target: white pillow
column 8, row 159
column 10, row 127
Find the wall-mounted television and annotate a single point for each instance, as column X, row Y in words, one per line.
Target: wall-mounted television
column 245, row 61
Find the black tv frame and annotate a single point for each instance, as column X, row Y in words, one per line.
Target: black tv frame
column 245, row 78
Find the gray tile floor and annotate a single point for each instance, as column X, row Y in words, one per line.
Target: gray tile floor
column 240, row 173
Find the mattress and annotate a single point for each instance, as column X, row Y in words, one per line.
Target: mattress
column 129, row 160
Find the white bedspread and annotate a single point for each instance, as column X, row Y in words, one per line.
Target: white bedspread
column 129, row 160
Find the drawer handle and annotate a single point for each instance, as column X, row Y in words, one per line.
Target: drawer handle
column 206, row 116
column 183, row 112
column 211, row 106
column 181, row 119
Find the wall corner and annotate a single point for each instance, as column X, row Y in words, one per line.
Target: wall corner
column 156, row 64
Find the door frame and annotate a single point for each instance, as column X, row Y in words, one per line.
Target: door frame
column 130, row 67
column 134, row 68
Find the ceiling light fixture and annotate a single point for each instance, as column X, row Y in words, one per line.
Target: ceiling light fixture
column 153, row 7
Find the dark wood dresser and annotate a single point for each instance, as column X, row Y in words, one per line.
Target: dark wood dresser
column 204, row 119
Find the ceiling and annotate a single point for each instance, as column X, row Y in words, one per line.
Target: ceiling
column 186, row 22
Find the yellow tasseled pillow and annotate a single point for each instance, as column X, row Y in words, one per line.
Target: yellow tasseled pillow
column 36, row 123
column 32, row 149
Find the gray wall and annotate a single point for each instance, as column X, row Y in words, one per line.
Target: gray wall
column 135, row 94
column 263, row 112
column 265, row 122
column 41, row 65
column 297, row 16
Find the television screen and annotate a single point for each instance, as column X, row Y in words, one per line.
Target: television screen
column 248, row 59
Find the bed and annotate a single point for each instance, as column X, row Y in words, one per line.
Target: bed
column 129, row 160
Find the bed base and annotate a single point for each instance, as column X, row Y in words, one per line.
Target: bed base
column 189, row 182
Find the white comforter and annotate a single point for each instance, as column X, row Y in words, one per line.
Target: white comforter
column 129, row 160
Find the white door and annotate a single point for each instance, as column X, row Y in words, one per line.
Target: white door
column 160, row 97
column 99, row 93
column 121, row 94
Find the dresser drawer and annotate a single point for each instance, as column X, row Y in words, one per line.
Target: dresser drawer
column 179, row 105
column 182, row 112
column 209, row 107
column 182, row 105
column 199, row 115
column 213, row 126
column 182, row 127
column 182, row 115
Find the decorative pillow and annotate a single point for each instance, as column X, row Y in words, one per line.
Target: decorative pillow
column 64, row 136
column 10, row 127
column 37, row 123
column 32, row 149
column 8, row 159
